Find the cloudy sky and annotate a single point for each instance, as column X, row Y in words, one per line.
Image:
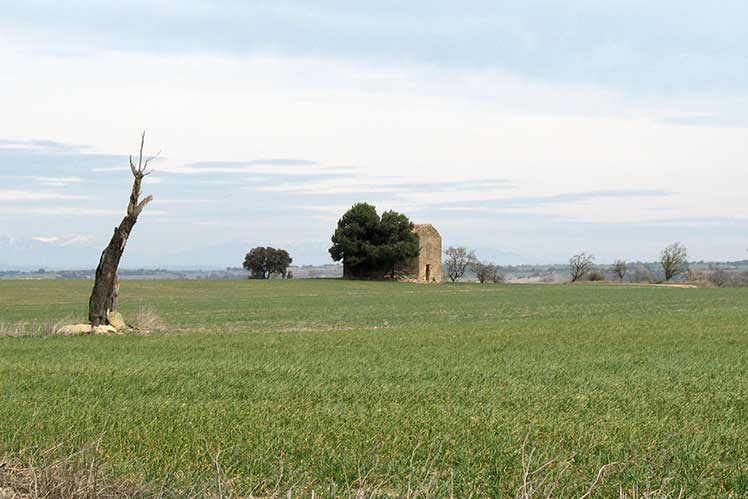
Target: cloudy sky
column 528, row 130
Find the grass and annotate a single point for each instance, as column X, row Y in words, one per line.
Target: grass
column 394, row 389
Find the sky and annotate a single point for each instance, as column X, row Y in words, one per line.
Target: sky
column 528, row 131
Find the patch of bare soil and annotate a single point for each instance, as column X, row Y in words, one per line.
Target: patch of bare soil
column 675, row 285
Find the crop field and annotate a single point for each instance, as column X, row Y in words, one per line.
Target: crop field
column 388, row 389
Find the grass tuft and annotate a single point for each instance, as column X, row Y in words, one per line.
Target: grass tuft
column 21, row 329
column 147, row 320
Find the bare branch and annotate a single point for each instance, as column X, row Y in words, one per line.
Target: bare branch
column 151, row 158
column 140, row 158
column 142, row 204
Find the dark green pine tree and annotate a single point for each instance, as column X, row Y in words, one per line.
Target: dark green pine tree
column 371, row 246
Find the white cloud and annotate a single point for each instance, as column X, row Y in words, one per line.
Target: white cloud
column 26, row 195
column 39, row 145
column 111, row 169
column 66, row 240
column 64, row 180
column 54, row 211
column 58, row 181
column 44, row 239
column 187, row 201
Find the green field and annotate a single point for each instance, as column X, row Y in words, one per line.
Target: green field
column 339, row 386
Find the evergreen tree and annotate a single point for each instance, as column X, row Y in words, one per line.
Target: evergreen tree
column 371, row 246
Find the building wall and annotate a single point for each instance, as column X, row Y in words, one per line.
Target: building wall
column 427, row 267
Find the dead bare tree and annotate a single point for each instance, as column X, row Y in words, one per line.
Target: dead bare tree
column 619, row 269
column 674, row 260
column 105, row 294
column 487, row 272
column 579, row 265
column 458, row 261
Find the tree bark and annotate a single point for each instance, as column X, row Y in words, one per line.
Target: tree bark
column 105, row 294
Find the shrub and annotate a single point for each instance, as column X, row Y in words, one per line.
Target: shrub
column 641, row 274
column 595, row 276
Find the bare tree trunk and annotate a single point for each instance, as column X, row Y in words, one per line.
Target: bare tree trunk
column 105, row 294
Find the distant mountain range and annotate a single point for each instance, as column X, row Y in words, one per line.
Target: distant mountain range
column 501, row 257
column 46, row 253
column 76, row 252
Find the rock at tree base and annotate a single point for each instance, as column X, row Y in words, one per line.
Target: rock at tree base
column 74, row 329
column 116, row 321
column 77, row 329
column 104, row 330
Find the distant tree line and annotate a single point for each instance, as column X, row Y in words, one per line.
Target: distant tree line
column 461, row 263
column 673, row 260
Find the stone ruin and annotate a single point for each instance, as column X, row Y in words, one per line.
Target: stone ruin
column 427, row 266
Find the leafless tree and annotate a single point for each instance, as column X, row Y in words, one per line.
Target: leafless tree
column 105, row 294
column 720, row 278
column 487, row 272
column 674, row 260
column 741, row 279
column 619, row 269
column 579, row 265
column 457, row 262
column 641, row 273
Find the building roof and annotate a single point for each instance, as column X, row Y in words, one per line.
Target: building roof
column 425, row 229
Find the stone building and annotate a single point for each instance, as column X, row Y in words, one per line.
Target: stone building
column 427, row 266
